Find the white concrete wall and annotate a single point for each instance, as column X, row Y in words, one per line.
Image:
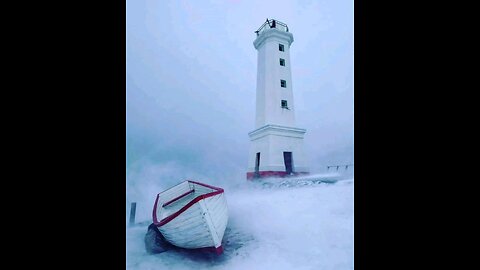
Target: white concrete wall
column 263, row 146
column 271, row 148
column 269, row 74
column 271, row 142
column 275, row 131
column 280, row 144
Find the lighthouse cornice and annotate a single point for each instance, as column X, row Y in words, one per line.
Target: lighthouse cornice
column 277, row 130
column 273, row 33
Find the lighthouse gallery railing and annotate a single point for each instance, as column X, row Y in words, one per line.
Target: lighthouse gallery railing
column 272, row 24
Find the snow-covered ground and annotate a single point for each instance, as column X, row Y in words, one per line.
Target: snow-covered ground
column 271, row 226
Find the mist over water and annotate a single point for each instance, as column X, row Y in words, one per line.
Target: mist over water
column 150, row 179
column 191, row 82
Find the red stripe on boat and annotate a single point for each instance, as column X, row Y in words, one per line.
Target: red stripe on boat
column 183, row 209
column 154, row 214
column 205, row 185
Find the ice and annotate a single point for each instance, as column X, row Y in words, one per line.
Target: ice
column 285, row 224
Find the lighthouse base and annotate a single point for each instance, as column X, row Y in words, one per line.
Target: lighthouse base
column 269, row 174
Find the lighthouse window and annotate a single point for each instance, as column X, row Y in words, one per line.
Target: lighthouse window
column 280, row 47
column 282, row 62
column 283, row 83
column 284, row 104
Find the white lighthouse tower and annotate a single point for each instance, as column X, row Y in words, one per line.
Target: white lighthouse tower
column 276, row 148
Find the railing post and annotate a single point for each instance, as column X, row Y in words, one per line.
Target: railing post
column 133, row 209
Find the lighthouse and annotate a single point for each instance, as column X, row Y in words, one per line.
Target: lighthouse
column 276, row 144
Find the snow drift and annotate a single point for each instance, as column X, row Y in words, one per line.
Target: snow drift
column 304, row 226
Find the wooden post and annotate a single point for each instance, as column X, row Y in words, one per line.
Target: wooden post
column 133, row 208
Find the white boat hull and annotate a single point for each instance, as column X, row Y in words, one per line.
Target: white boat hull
column 192, row 215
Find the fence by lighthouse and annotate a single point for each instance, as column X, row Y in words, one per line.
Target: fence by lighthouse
column 344, row 170
column 343, row 167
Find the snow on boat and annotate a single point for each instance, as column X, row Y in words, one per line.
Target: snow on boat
column 192, row 215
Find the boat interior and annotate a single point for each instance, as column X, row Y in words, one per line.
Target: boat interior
column 181, row 200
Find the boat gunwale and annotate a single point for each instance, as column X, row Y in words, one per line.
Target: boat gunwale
column 188, row 205
column 178, row 198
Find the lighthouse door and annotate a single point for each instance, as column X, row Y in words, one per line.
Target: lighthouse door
column 257, row 163
column 287, row 157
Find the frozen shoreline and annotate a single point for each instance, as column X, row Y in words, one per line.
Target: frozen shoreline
column 301, row 227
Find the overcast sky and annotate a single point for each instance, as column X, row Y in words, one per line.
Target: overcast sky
column 191, row 81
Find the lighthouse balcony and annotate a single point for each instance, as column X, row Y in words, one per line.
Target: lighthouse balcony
column 269, row 24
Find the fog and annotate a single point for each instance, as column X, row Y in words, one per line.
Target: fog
column 191, row 81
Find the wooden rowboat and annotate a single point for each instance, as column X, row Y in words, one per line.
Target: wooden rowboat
column 192, row 215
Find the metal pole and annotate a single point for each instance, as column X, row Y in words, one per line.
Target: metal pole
column 133, row 208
